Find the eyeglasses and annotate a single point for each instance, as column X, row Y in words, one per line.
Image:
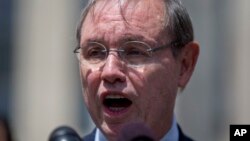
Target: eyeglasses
column 133, row 53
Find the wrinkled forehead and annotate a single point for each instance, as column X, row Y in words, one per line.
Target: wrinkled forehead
column 129, row 9
column 144, row 16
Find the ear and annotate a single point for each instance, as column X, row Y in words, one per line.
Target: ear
column 188, row 59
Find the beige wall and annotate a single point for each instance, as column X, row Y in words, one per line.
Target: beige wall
column 219, row 92
column 44, row 80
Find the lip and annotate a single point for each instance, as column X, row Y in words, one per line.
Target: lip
column 117, row 115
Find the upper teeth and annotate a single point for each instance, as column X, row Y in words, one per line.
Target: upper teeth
column 114, row 96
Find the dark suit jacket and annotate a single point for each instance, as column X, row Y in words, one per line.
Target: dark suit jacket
column 182, row 137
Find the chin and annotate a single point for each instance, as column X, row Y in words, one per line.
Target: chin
column 111, row 135
column 112, row 131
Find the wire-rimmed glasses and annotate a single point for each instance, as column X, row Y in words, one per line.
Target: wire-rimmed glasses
column 133, row 53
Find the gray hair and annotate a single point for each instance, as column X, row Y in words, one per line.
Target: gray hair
column 179, row 25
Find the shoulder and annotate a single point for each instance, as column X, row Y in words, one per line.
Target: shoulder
column 90, row 137
column 182, row 136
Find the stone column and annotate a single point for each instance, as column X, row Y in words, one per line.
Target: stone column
column 241, row 63
column 219, row 92
column 45, row 82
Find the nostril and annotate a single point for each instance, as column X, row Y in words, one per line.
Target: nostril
column 113, row 71
column 113, row 79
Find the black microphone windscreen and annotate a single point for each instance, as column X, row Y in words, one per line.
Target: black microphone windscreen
column 64, row 133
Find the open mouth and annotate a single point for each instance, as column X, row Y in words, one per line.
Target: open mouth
column 116, row 103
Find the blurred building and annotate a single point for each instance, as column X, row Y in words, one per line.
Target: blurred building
column 39, row 77
column 219, row 91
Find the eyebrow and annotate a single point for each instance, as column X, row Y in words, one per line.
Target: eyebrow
column 125, row 38
column 131, row 37
column 98, row 40
column 136, row 37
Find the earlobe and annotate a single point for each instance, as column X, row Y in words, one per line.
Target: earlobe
column 188, row 61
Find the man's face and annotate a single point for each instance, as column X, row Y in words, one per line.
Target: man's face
column 115, row 93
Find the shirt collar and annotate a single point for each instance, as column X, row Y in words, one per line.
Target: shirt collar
column 172, row 134
column 99, row 136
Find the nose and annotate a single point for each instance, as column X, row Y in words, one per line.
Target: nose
column 113, row 69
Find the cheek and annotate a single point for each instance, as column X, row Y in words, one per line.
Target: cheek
column 156, row 84
column 161, row 90
column 167, row 76
column 137, row 79
column 156, row 79
column 90, row 82
column 164, row 89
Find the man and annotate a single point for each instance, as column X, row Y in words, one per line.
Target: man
column 134, row 56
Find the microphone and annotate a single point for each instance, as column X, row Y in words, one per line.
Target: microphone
column 136, row 132
column 64, row 133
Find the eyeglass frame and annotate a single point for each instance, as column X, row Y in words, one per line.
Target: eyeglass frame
column 150, row 50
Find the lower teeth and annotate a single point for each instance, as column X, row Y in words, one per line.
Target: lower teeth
column 116, row 109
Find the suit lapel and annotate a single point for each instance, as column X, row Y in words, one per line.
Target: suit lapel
column 182, row 136
column 91, row 136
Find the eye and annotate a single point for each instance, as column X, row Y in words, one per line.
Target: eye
column 135, row 50
column 94, row 51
